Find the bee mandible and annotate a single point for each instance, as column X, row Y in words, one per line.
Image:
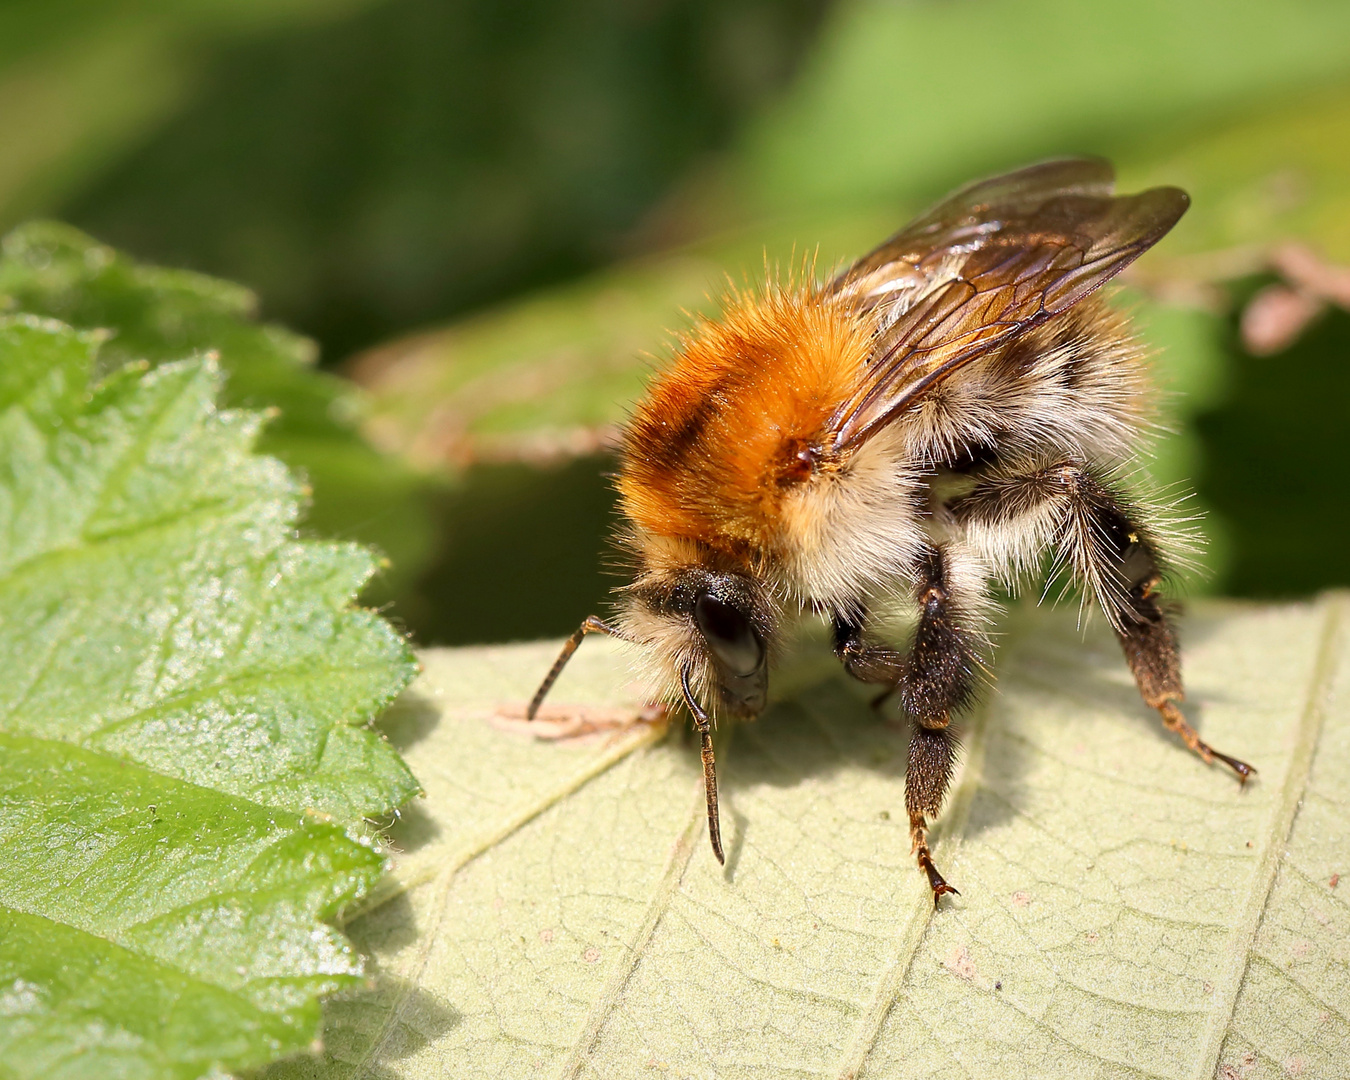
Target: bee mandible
column 949, row 412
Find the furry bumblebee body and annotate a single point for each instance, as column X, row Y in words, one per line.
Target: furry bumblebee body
column 943, row 414
column 730, row 453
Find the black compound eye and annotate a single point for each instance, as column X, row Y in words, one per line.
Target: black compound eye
column 729, row 634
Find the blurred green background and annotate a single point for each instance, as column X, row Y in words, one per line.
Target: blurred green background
column 488, row 214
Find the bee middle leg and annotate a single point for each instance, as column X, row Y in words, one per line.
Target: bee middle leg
column 939, row 679
column 932, row 759
column 936, row 679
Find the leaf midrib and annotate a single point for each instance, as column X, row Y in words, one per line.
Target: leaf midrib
column 295, row 675
column 84, row 545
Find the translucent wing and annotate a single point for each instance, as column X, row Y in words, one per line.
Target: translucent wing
column 988, row 263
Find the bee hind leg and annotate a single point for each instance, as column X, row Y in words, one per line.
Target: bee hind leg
column 1149, row 642
column 1116, row 555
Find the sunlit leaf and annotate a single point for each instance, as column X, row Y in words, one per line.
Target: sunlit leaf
column 1125, row 910
column 185, row 760
column 157, row 314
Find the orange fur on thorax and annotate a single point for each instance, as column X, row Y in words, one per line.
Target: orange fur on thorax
column 730, row 427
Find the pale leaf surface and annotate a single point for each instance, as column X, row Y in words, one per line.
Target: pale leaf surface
column 1126, row 911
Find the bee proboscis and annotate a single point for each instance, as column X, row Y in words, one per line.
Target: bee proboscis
column 951, row 410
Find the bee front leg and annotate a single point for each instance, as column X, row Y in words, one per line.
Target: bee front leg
column 593, row 624
column 703, row 722
column 867, row 663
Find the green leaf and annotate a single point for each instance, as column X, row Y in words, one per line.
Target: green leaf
column 184, row 756
column 1126, row 911
column 154, row 928
column 156, row 314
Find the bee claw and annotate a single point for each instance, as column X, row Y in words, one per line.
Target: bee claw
column 1244, row 771
column 940, row 889
column 936, row 881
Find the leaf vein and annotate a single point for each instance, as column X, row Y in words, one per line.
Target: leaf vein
column 1295, row 782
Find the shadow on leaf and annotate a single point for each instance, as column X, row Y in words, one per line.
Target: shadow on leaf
column 394, row 1020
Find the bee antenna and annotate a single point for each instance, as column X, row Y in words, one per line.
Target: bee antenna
column 704, row 726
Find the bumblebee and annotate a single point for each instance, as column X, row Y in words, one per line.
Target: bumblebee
column 952, row 411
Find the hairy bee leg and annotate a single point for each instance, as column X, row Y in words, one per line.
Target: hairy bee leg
column 704, row 725
column 874, row 664
column 866, row 663
column 931, row 752
column 938, row 679
column 932, row 757
column 1128, row 572
column 939, row 675
column 592, row 625
column 918, row 835
column 1150, row 647
column 1113, row 556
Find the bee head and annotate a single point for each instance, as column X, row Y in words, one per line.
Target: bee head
column 709, row 632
